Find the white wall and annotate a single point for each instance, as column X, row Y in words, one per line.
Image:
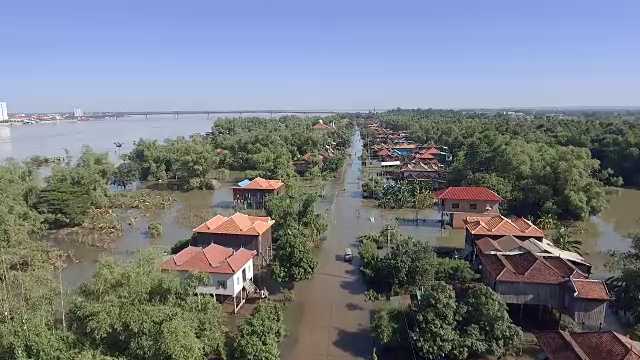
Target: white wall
column 3, row 111
column 234, row 282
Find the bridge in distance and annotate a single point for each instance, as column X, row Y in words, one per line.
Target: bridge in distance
column 117, row 114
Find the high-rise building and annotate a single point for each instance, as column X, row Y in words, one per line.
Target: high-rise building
column 3, row 111
column 77, row 112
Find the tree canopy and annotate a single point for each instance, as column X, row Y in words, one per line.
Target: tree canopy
column 540, row 165
column 260, row 334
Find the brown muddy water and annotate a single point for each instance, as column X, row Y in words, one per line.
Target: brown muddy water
column 605, row 232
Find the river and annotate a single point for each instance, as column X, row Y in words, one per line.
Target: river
column 605, row 232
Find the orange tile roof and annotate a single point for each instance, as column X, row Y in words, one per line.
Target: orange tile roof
column 468, row 193
column 590, row 289
column 261, row 184
column 433, row 150
column 212, row 259
column 238, row 224
column 321, row 126
column 500, row 225
column 594, row 345
column 405, row 146
column 424, row 155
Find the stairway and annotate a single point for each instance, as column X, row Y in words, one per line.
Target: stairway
column 250, row 286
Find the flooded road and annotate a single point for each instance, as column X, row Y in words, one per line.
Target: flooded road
column 329, row 318
column 605, row 232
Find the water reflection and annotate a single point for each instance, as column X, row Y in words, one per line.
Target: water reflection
column 5, row 140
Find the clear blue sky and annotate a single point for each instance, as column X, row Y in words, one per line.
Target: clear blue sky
column 230, row 54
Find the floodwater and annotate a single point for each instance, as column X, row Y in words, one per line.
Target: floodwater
column 605, row 232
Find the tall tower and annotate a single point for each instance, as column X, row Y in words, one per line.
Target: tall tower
column 3, row 111
column 77, row 112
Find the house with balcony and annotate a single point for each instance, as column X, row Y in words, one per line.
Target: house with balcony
column 544, row 284
column 457, row 202
column 252, row 194
column 238, row 231
column 230, row 271
column 592, row 345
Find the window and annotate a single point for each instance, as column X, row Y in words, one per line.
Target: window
column 455, row 206
column 222, row 285
column 473, row 206
column 249, row 269
column 238, row 280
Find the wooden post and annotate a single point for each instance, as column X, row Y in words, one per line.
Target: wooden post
column 540, row 312
column 235, row 309
column 520, row 317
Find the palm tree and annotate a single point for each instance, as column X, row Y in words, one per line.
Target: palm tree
column 547, row 222
column 563, row 239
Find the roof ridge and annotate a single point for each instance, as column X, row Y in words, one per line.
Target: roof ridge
column 506, row 264
column 630, row 346
column 549, row 265
column 567, row 336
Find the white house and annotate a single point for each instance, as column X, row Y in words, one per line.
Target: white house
column 231, row 271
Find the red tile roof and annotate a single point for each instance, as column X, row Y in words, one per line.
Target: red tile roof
column 500, row 225
column 424, row 155
column 321, row 126
column 433, row 151
column 468, row 193
column 238, row 224
column 212, row 259
column 431, row 145
column 597, row 345
column 261, row 184
column 590, row 289
column 383, row 152
column 525, row 267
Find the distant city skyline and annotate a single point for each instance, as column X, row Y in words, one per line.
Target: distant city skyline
column 328, row 55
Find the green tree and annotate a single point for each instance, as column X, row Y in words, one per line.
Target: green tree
column 63, row 205
column 432, row 330
column 563, row 239
column 154, row 229
column 126, row 174
column 293, row 258
column 132, row 309
column 454, row 271
column 259, row 335
column 384, row 325
column 409, row 264
column 485, row 327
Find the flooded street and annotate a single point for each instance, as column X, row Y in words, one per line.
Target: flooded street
column 604, row 232
column 329, row 318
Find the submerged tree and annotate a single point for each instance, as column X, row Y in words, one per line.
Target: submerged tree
column 132, row 309
column 259, row 335
column 293, row 258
